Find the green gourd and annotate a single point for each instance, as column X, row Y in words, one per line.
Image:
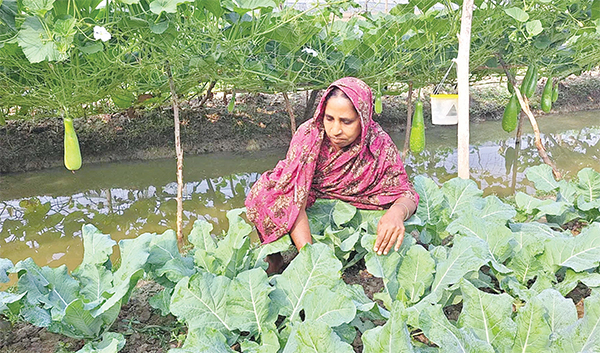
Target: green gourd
column 417, row 131
column 231, row 104
column 529, row 81
column 511, row 112
column 71, row 145
column 378, row 105
column 555, row 92
column 546, row 102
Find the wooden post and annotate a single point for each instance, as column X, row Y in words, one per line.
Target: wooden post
column 462, row 75
column 408, row 121
column 179, row 153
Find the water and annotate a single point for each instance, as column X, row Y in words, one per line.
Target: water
column 41, row 213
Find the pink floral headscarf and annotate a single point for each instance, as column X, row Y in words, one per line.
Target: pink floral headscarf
column 368, row 173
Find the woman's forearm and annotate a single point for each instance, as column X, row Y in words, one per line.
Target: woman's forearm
column 407, row 205
column 300, row 231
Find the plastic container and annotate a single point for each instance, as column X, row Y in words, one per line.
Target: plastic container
column 443, row 109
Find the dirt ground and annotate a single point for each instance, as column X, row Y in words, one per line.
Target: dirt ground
column 258, row 122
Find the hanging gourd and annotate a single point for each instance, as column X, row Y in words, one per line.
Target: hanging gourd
column 417, row 131
column 231, row 104
column 72, row 153
column 546, row 101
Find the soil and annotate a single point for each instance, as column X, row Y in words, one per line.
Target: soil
column 259, row 121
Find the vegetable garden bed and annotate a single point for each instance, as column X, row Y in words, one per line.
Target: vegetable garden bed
column 476, row 274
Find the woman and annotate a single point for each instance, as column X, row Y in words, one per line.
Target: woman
column 341, row 153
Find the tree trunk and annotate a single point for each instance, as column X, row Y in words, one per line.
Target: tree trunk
column 462, row 75
column 290, row 111
column 408, row 121
column 179, row 153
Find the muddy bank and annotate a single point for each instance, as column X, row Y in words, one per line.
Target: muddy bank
column 258, row 122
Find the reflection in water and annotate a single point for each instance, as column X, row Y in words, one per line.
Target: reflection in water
column 41, row 213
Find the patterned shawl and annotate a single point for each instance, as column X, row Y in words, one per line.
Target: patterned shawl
column 368, row 173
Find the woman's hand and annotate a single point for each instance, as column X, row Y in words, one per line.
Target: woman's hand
column 390, row 229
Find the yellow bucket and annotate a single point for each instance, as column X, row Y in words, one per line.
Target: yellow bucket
column 443, row 109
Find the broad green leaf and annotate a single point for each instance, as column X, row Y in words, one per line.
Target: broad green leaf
column 460, row 195
column 330, row 307
column 315, row 336
column 416, row 273
column 541, row 175
column 468, row 254
column 112, row 342
column 496, row 210
column 393, row 337
column 499, row 238
column 560, row 312
column 232, row 250
column 315, row 266
column 534, row 27
column 36, row 43
column 79, row 322
column 320, row 215
column 200, row 236
column 202, row 301
column 162, row 301
column 163, row 248
column 248, row 302
column 488, row 315
column 589, row 330
column 385, row 266
column 50, row 286
column 39, row 7
column 168, row 6
column 204, row 340
column 533, row 331
column 517, row 14
column 342, row 213
column 6, row 299
column 529, row 203
column 588, row 188
column 177, row 268
column 525, row 264
column 97, row 247
column 580, row 253
column 279, row 245
column 255, row 4
column 5, row 266
column 269, row 344
column 134, row 254
column 36, row 315
column 95, row 281
column 448, row 337
column 430, row 198
column 573, row 278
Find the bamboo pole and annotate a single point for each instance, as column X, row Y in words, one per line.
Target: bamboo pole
column 179, row 153
column 462, row 75
column 408, row 121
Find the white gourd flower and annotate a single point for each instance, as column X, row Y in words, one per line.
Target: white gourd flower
column 310, row 51
column 101, row 33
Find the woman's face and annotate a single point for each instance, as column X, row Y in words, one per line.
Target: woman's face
column 341, row 122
